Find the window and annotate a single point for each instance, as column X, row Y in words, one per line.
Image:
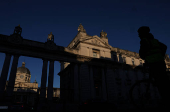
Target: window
column 114, row 57
column 95, row 54
column 133, row 63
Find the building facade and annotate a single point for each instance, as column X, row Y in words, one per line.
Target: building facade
column 106, row 72
column 25, row 91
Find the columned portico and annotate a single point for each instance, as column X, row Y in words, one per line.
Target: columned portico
column 11, row 82
column 50, row 82
column 104, row 94
column 43, row 81
column 4, row 74
column 92, row 83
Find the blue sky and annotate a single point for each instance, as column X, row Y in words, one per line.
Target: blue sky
column 119, row 18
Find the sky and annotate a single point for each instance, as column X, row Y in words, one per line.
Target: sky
column 120, row 19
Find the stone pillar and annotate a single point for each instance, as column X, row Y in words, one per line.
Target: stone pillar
column 104, row 93
column 76, row 86
column 50, row 82
column 92, row 83
column 4, row 74
column 11, row 82
column 43, row 81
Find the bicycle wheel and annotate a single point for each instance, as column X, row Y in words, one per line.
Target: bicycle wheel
column 141, row 94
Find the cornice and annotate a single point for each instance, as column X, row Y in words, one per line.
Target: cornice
column 126, row 52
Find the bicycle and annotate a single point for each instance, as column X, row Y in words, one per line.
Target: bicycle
column 145, row 99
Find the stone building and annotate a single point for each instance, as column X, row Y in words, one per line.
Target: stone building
column 24, row 90
column 107, row 72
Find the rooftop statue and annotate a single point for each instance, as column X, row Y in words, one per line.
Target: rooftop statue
column 16, row 36
column 81, row 28
column 18, row 30
column 50, row 37
column 103, row 34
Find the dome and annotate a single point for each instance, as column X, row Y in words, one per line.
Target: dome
column 23, row 69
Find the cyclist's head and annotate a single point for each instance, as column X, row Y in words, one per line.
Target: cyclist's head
column 143, row 31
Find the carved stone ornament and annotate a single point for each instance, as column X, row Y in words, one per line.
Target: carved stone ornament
column 167, row 57
column 103, row 34
column 50, row 45
column 50, row 37
column 118, row 50
column 81, row 28
column 128, row 54
column 123, row 52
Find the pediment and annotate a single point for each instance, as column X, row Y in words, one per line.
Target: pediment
column 95, row 41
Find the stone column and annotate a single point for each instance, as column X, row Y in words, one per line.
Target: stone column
column 104, row 93
column 43, row 81
column 4, row 74
column 50, row 81
column 92, row 83
column 76, row 84
column 11, row 82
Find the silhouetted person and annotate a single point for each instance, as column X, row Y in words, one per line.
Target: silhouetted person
column 153, row 52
